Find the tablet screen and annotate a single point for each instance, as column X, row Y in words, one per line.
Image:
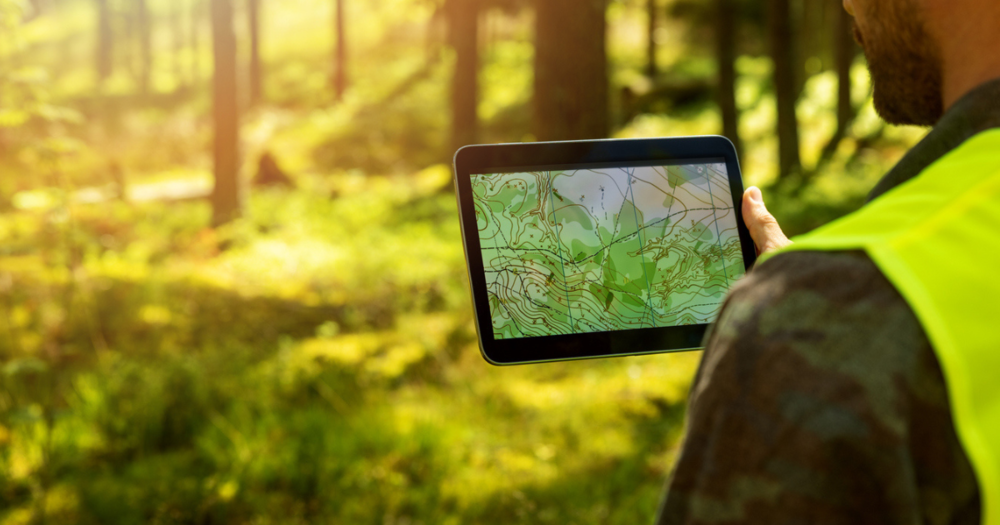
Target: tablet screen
column 588, row 249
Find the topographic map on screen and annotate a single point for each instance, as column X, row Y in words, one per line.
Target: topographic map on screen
column 593, row 250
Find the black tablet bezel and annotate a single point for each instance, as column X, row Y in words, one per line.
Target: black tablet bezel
column 501, row 158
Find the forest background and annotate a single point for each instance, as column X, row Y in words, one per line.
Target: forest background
column 232, row 287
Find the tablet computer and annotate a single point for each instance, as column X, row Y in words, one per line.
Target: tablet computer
column 600, row 248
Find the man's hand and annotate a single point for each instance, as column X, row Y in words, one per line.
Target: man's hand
column 764, row 229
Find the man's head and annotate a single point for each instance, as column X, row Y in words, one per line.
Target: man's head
column 905, row 62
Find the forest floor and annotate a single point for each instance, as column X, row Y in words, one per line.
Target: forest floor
column 313, row 362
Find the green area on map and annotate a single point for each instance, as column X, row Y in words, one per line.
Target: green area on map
column 609, row 249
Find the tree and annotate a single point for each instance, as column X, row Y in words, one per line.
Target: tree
column 145, row 45
column 105, row 41
column 193, row 41
column 463, row 35
column 652, row 12
column 340, row 52
column 571, row 72
column 255, row 68
column 226, row 199
column 781, row 44
column 844, row 50
column 810, row 30
column 725, row 54
column 177, row 40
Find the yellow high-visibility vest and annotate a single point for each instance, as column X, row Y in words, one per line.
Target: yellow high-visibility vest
column 937, row 239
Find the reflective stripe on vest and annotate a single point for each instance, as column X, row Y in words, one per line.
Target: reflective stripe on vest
column 937, row 239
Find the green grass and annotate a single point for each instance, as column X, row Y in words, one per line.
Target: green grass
column 322, row 368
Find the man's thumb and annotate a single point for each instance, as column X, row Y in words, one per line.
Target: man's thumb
column 764, row 228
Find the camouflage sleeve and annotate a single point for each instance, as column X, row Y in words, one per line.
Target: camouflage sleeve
column 819, row 401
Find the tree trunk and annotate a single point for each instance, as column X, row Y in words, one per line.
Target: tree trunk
column 105, row 41
column 194, row 41
column 463, row 35
column 340, row 53
column 781, row 43
column 145, row 45
column 652, row 10
column 226, row 201
column 808, row 33
column 256, row 90
column 127, row 25
column 571, row 72
column 725, row 40
column 845, row 50
column 177, row 41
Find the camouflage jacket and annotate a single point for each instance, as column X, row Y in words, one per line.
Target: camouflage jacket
column 819, row 399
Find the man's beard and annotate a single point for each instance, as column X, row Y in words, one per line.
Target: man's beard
column 905, row 64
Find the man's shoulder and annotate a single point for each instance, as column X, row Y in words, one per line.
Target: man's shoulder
column 838, row 276
column 819, row 400
column 820, row 299
column 826, row 324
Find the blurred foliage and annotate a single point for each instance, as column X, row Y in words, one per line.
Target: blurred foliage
column 316, row 361
column 323, row 367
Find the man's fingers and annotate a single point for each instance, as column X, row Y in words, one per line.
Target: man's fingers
column 764, row 228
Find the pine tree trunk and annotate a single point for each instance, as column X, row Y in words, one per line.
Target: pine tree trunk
column 652, row 12
column 177, row 41
column 256, row 91
column 340, row 53
column 463, row 31
column 226, row 201
column 105, row 41
column 194, row 42
column 127, row 24
column 571, row 72
column 808, row 34
column 845, row 50
column 725, row 40
column 781, row 43
column 145, row 45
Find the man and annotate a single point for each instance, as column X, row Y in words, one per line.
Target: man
column 848, row 379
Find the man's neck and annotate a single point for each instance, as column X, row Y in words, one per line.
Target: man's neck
column 969, row 37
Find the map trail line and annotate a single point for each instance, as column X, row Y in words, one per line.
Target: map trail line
column 562, row 264
column 642, row 245
column 718, row 235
